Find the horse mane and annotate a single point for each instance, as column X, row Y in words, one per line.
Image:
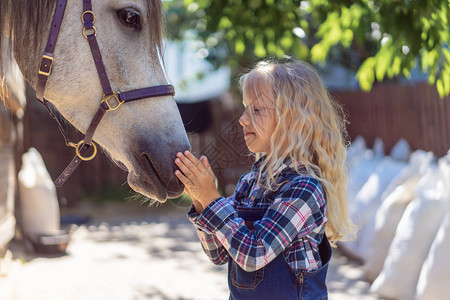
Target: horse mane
column 29, row 17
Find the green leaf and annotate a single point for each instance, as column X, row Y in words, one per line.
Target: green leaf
column 446, row 53
column 225, row 23
column 406, row 72
column 260, row 50
column 445, row 76
column 384, row 60
column 319, row 53
column 396, row 66
column 347, row 38
column 249, row 34
column 443, row 14
column 272, row 48
column 365, row 74
column 239, row 46
column 431, row 78
column 440, row 88
column 287, row 41
column 340, row 31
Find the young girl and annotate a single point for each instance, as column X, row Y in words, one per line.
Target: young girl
column 274, row 230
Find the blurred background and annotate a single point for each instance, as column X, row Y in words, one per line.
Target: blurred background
column 386, row 62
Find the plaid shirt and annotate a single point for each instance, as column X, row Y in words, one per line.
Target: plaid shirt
column 293, row 224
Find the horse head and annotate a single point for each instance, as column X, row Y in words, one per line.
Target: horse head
column 141, row 136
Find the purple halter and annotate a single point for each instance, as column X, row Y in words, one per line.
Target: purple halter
column 111, row 100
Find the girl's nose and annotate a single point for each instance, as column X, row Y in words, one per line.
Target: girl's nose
column 244, row 119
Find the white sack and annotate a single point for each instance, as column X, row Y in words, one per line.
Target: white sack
column 418, row 164
column 355, row 152
column 378, row 148
column 414, row 235
column 361, row 170
column 434, row 280
column 359, row 174
column 367, row 201
column 385, row 225
column 368, row 198
column 361, row 162
column 394, row 200
column 38, row 199
column 401, row 150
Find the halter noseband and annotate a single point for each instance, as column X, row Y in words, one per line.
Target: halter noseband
column 110, row 101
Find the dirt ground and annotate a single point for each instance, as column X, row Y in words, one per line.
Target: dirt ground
column 128, row 251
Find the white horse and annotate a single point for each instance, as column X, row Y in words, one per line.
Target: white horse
column 141, row 136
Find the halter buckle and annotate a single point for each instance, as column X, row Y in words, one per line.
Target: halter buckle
column 46, row 65
column 115, row 105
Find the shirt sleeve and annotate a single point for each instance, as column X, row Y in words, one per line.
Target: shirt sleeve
column 295, row 212
column 213, row 249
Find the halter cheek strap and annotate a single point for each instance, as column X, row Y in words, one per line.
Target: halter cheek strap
column 45, row 68
column 110, row 101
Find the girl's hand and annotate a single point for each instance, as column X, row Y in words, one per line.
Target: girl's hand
column 198, row 178
column 197, row 205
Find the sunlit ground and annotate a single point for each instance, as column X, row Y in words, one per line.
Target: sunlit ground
column 132, row 252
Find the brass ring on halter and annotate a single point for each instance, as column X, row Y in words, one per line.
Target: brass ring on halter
column 84, row 31
column 77, row 150
column 88, row 12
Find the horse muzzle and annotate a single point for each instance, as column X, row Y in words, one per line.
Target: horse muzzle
column 152, row 171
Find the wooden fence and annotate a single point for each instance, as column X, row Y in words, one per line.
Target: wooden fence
column 390, row 111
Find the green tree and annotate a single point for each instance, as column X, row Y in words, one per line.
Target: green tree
column 379, row 39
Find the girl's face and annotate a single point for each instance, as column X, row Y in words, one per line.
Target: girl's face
column 258, row 122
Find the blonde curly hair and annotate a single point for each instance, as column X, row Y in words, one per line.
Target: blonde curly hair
column 310, row 129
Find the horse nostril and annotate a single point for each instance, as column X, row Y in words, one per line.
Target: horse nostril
column 154, row 168
column 121, row 165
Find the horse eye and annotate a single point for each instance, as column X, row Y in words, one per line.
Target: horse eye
column 130, row 17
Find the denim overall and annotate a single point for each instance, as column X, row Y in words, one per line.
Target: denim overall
column 277, row 280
